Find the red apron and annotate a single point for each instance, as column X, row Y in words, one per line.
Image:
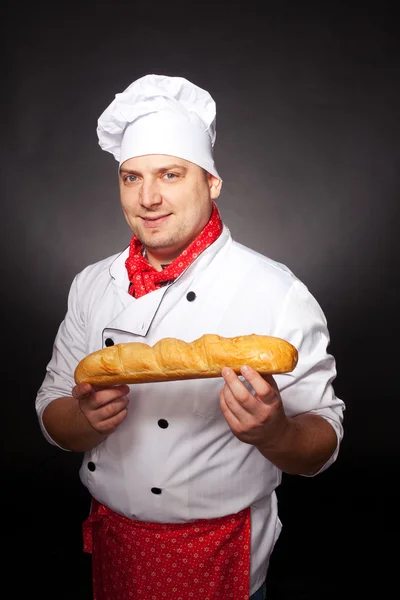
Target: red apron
column 206, row 559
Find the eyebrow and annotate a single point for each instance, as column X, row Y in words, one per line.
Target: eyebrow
column 155, row 171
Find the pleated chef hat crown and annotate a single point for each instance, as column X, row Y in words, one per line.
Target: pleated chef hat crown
column 158, row 114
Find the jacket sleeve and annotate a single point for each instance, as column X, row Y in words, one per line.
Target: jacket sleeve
column 69, row 348
column 309, row 388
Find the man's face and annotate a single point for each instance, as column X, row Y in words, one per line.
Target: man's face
column 167, row 201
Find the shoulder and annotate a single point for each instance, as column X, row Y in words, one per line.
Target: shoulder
column 100, row 272
column 101, row 266
column 258, row 265
column 92, row 285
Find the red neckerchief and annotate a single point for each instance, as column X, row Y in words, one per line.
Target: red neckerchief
column 145, row 278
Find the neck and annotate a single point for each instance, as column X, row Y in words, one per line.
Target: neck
column 158, row 263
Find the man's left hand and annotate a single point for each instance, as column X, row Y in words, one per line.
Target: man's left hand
column 258, row 419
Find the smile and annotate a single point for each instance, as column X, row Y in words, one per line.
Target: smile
column 152, row 222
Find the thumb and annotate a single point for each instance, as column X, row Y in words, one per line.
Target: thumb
column 82, row 390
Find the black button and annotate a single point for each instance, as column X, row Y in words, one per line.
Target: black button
column 190, row 296
column 163, row 423
column 109, row 342
column 91, row 466
column 156, row 490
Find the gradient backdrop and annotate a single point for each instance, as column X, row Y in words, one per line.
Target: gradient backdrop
column 308, row 146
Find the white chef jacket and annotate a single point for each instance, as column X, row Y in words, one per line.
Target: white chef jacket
column 201, row 468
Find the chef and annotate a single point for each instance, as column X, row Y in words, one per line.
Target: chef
column 183, row 473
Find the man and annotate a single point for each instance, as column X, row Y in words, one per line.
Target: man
column 183, row 474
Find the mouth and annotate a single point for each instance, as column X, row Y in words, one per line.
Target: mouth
column 154, row 220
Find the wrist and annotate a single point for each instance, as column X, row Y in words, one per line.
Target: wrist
column 278, row 441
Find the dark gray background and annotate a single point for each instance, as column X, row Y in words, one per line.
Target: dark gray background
column 308, row 147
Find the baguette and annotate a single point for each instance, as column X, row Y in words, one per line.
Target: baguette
column 171, row 359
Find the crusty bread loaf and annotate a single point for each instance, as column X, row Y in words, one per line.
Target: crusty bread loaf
column 173, row 359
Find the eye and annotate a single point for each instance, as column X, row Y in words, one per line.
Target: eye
column 131, row 178
column 170, row 176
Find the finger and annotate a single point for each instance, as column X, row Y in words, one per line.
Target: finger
column 238, row 389
column 250, row 402
column 109, row 424
column 82, row 390
column 226, row 408
column 269, row 379
column 112, row 393
column 239, row 400
column 265, row 388
column 111, row 409
column 100, row 397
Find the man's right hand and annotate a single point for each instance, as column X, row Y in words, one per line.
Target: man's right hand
column 83, row 420
column 105, row 408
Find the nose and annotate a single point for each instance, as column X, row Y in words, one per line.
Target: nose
column 150, row 194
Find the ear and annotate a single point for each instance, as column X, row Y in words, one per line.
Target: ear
column 215, row 186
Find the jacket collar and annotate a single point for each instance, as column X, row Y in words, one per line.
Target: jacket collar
column 119, row 273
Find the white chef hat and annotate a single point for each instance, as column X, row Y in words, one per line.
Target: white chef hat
column 158, row 114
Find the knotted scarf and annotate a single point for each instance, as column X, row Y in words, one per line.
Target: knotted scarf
column 144, row 278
